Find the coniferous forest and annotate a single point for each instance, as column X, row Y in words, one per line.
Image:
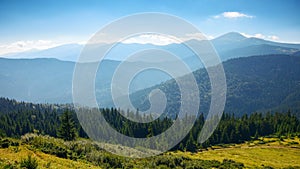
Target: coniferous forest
column 61, row 121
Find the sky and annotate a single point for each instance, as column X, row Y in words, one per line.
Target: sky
column 25, row 25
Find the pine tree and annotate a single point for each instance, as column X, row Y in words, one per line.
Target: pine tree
column 67, row 129
column 191, row 144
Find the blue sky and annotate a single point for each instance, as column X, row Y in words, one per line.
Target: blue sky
column 53, row 22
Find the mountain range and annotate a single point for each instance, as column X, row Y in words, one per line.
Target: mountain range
column 230, row 45
column 261, row 75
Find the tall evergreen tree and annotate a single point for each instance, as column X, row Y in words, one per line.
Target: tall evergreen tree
column 67, row 129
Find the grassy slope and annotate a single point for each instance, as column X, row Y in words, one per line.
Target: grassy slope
column 12, row 156
column 267, row 152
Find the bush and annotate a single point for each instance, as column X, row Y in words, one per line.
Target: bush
column 6, row 164
column 267, row 167
column 46, row 144
column 261, row 142
column 9, row 166
column 293, row 143
column 105, row 160
column 232, row 164
column 64, row 149
column 29, row 163
column 5, row 143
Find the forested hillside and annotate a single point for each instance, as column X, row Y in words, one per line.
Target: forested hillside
column 19, row 118
column 258, row 83
column 46, row 120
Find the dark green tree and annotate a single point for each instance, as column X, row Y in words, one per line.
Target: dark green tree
column 191, row 144
column 67, row 129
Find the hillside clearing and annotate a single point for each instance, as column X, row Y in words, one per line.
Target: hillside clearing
column 264, row 152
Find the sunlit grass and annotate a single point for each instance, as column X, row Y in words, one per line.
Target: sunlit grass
column 264, row 152
column 13, row 155
column 274, row 152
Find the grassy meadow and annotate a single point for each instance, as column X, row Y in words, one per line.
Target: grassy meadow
column 273, row 152
column 261, row 153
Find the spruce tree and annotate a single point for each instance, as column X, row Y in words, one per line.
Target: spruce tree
column 191, row 144
column 67, row 129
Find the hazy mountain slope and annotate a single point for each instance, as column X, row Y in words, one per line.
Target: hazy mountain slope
column 234, row 40
column 36, row 80
column 257, row 83
column 67, row 52
column 254, row 83
column 235, row 45
column 262, row 49
column 50, row 80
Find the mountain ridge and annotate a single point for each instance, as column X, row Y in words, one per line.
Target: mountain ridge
column 257, row 83
column 223, row 43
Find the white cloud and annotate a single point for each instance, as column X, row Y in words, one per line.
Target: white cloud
column 164, row 39
column 233, row 15
column 247, row 35
column 261, row 36
column 210, row 37
column 22, row 46
column 236, row 15
column 273, row 37
column 152, row 39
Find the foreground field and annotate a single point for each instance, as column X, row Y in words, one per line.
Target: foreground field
column 49, row 153
column 10, row 158
column 272, row 152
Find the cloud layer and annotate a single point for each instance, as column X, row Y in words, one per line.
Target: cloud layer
column 22, row 46
column 232, row 15
column 261, row 36
column 151, row 39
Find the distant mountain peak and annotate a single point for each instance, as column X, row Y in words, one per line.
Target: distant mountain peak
column 231, row 36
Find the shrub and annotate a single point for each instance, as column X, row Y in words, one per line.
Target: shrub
column 261, row 142
column 29, row 163
column 5, row 143
column 48, row 165
column 232, row 164
column 267, row 167
column 165, row 161
column 27, row 138
column 46, row 144
column 64, row 149
column 9, row 166
column 105, row 160
column 293, row 143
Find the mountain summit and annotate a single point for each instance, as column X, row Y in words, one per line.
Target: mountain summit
column 231, row 36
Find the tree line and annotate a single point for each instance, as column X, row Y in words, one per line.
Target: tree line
column 63, row 123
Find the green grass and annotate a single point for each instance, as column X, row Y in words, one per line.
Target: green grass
column 264, row 152
column 273, row 152
column 12, row 157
